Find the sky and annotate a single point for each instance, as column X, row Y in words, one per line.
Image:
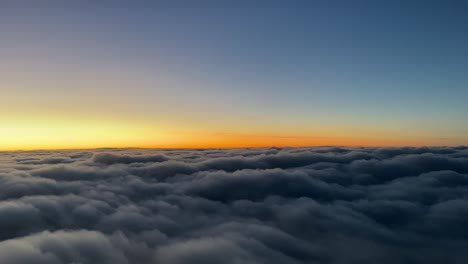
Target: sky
column 82, row 74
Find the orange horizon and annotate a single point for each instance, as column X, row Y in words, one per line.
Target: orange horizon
column 224, row 146
column 60, row 134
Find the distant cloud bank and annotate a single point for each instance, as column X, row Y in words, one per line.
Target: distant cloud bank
column 327, row 205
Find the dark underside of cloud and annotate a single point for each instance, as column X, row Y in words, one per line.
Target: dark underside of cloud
column 290, row 205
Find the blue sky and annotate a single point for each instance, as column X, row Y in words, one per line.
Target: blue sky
column 291, row 68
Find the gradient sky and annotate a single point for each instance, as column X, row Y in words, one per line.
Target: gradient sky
column 79, row 74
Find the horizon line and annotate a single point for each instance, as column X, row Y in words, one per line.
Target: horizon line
column 241, row 147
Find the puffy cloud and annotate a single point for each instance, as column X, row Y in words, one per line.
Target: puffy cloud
column 109, row 158
column 61, row 247
column 278, row 205
column 44, row 161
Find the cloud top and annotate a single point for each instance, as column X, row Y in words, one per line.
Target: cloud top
column 279, row 205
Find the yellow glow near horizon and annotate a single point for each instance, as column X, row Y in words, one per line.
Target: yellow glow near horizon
column 74, row 133
column 64, row 134
column 71, row 130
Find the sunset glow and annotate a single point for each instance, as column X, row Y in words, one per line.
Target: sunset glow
column 61, row 133
column 168, row 76
column 234, row 132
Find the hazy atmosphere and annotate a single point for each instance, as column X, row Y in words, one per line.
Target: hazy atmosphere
column 234, row 131
column 84, row 74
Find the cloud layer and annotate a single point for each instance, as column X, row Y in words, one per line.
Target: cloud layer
column 279, row 205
